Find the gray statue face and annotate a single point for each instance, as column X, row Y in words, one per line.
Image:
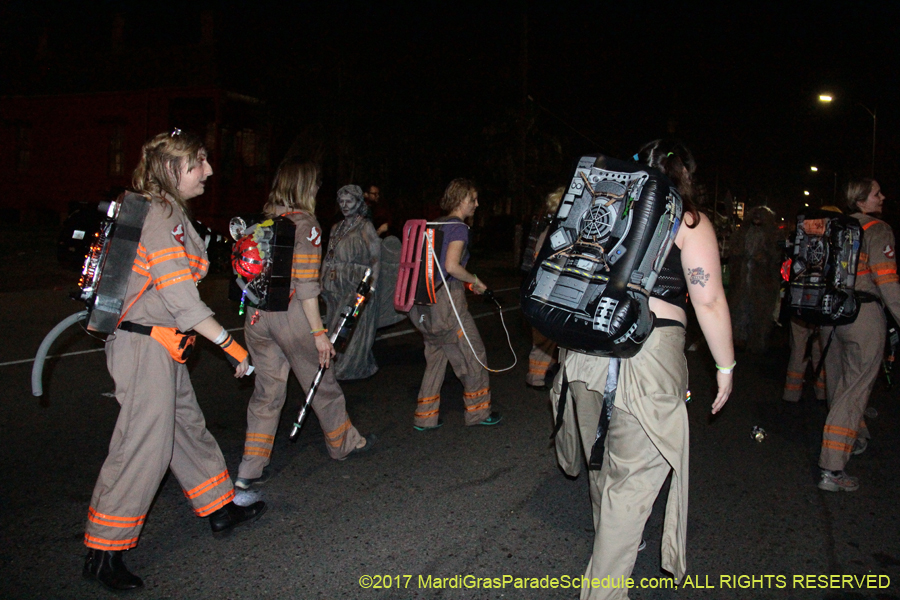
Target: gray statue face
column 350, row 205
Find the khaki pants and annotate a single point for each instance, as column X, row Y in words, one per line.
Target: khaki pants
column 160, row 427
column 853, row 362
column 445, row 342
column 279, row 343
column 647, row 439
column 796, row 371
column 541, row 358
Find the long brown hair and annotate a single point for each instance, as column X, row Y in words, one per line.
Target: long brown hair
column 294, row 188
column 158, row 173
column 677, row 163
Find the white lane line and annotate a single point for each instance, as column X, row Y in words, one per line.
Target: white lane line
column 408, row 331
column 49, row 356
column 380, row 337
column 31, row 360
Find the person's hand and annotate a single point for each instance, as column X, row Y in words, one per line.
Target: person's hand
column 242, row 368
column 382, row 229
column 726, row 383
column 478, row 287
column 325, row 349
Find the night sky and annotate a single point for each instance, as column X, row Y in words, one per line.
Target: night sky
column 417, row 96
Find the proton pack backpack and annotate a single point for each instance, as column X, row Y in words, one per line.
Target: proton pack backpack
column 262, row 260
column 823, row 268
column 109, row 261
column 418, row 279
column 590, row 286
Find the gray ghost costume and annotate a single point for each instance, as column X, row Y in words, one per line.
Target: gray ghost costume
column 353, row 247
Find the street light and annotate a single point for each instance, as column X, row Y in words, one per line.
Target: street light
column 815, row 169
column 826, row 98
column 805, row 193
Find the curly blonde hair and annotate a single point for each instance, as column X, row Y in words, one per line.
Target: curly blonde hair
column 551, row 202
column 158, row 173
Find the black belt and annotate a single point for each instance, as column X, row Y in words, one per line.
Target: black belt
column 667, row 323
column 865, row 297
column 136, row 328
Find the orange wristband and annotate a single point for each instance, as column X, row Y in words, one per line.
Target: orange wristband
column 234, row 351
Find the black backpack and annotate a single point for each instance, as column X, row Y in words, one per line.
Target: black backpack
column 823, row 268
column 590, row 285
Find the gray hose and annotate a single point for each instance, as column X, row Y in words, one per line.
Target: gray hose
column 38, row 369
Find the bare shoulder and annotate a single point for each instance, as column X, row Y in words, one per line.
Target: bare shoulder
column 702, row 232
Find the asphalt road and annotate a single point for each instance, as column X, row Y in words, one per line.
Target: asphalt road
column 450, row 503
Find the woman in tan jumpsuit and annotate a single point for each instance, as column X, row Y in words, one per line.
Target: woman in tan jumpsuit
column 295, row 339
column 160, row 425
column 448, row 339
column 854, row 357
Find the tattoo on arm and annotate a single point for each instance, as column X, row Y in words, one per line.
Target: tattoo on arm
column 698, row 276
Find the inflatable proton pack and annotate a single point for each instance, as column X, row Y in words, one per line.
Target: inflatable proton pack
column 822, row 270
column 262, row 259
column 590, row 285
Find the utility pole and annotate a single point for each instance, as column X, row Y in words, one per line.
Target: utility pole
column 523, row 116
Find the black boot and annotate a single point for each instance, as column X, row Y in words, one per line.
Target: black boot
column 231, row 515
column 107, row 567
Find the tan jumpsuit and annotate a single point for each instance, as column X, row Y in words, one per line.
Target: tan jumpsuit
column 280, row 342
column 796, row 371
column 445, row 342
column 541, row 358
column 856, row 352
column 160, row 425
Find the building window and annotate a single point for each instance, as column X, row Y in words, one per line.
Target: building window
column 23, row 147
column 117, row 151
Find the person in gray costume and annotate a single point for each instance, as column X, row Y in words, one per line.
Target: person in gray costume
column 755, row 262
column 353, row 247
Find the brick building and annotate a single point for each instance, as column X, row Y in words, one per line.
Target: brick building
column 72, row 128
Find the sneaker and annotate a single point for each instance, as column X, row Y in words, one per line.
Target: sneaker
column 859, row 446
column 440, row 424
column 492, row 419
column 242, row 483
column 837, row 481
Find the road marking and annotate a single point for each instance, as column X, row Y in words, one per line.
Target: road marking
column 379, row 337
column 408, row 331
